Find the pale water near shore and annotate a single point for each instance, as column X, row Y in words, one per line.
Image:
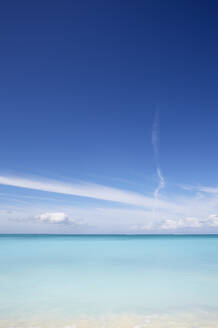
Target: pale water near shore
column 182, row 320
column 108, row 281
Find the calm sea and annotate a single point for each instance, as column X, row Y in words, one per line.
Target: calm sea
column 108, row 281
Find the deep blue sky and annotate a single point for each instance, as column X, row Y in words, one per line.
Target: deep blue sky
column 81, row 81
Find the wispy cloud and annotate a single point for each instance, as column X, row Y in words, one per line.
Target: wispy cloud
column 161, row 184
column 86, row 190
column 155, row 142
column 204, row 189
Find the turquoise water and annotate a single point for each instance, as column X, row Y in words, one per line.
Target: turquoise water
column 64, row 278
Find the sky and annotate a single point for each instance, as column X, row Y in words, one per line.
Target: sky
column 109, row 114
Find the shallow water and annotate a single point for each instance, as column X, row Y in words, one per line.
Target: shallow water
column 108, row 281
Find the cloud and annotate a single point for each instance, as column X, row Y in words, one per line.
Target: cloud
column 57, row 217
column 176, row 212
column 87, row 190
column 204, row 189
column 155, row 140
column 209, row 190
column 212, row 220
column 161, row 184
column 189, row 222
column 148, row 226
column 169, row 224
column 105, row 219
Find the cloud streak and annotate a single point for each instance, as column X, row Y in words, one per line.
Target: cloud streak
column 161, row 184
column 88, row 190
column 204, row 189
column 155, row 141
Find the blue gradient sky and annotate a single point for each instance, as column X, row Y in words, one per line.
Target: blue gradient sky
column 82, row 86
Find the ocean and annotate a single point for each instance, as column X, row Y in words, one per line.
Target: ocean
column 135, row 281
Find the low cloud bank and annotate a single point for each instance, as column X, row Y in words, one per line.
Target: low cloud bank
column 179, row 224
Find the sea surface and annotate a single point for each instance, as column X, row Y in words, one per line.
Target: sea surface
column 71, row 281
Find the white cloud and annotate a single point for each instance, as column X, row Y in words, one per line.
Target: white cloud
column 189, row 222
column 57, row 217
column 107, row 220
column 161, row 184
column 181, row 212
column 212, row 220
column 148, row 226
column 88, row 190
column 155, row 139
column 168, row 224
column 204, row 189
column 209, row 190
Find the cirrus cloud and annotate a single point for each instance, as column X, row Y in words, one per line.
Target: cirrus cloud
column 88, row 190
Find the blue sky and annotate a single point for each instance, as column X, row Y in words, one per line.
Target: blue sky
column 85, row 85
